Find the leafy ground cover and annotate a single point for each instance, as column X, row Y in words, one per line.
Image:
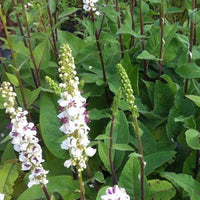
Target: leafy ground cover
column 99, row 99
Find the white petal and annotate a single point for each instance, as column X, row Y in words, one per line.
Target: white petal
column 90, row 151
column 68, row 163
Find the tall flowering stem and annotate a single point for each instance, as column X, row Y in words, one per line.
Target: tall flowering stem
column 162, row 21
column 191, row 42
column 142, row 39
column 3, row 19
column 119, row 26
column 128, row 92
column 24, row 139
column 74, row 116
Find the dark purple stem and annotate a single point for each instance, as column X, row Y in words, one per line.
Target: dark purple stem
column 110, row 152
column 46, row 192
column 132, row 6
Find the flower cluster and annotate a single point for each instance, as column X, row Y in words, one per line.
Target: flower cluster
column 73, row 114
column 115, row 193
column 90, row 5
column 9, row 98
column 23, row 134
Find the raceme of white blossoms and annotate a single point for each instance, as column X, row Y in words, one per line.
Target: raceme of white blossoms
column 73, row 114
column 23, row 134
column 2, row 196
column 115, row 193
column 90, row 4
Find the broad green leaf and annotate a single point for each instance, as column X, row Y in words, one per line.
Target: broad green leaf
column 191, row 186
column 8, row 174
column 156, row 160
column 193, row 139
column 163, row 98
column 68, row 11
column 145, row 55
column 195, row 99
column 50, row 124
column 189, row 70
column 161, row 190
column 103, row 151
column 99, row 177
column 32, row 96
column 65, row 185
column 8, row 153
column 102, row 137
column 129, row 179
column 96, row 114
column 75, row 43
column 52, row 5
column 12, row 79
column 122, row 147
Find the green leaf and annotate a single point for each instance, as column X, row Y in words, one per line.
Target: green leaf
column 195, row 99
column 50, row 124
column 96, row 114
column 156, row 160
column 193, row 139
column 8, row 153
column 102, row 137
column 103, row 151
column 145, row 55
column 101, row 192
column 8, row 174
column 191, row 186
column 189, row 70
column 52, row 5
column 65, row 185
column 32, row 96
column 99, row 177
column 12, row 79
column 161, row 190
column 129, row 179
column 122, row 147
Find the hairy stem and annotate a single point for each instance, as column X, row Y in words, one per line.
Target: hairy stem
column 101, row 58
column 110, row 152
column 142, row 39
column 142, row 165
column 162, row 42
column 81, row 185
column 3, row 19
column 46, row 192
column 132, row 6
column 30, row 45
column 52, row 31
column 119, row 26
column 191, row 43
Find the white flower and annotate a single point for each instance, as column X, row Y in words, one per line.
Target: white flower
column 90, row 5
column 68, row 163
column 113, row 193
column 2, row 196
column 73, row 114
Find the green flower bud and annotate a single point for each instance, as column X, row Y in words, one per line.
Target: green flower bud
column 116, row 102
column 53, row 85
column 127, row 88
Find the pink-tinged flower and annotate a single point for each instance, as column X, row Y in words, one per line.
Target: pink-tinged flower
column 115, row 193
column 73, row 115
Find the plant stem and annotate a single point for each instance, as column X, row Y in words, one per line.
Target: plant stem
column 132, row 6
column 46, row 192
column 52, row 31
column 25, row 43
column 3, row 19
column 110, row 152
column 119, row 26
column 81, row 185
column 101, row 58
column 30, row 45
column 162, row 42
column 191, row 43
column 142, row 39
column 102, row 21
column 142, row 165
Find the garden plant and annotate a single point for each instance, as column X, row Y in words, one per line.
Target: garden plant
column 99, row 99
